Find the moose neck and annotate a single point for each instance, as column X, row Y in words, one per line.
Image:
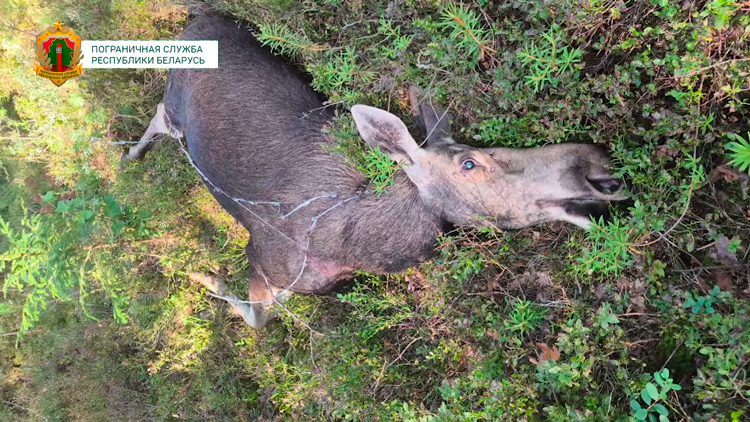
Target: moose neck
column 392, row 231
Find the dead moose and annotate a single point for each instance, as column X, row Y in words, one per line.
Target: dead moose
column 253, row 128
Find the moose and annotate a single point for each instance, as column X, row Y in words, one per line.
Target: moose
column 254, row 131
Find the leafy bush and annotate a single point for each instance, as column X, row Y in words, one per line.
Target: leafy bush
column 47, row 258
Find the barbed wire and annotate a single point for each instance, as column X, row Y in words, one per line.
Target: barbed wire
column 242, row 203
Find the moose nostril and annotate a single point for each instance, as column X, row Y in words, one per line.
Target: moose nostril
column 606, row 185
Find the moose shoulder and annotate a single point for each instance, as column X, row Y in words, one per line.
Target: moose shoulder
column 253, row 128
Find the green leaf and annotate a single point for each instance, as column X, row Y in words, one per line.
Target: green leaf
column 117, row 227
column 84, row 216
column 635, row 405
column 740, row 151
column 652, row 391
column 646, row 396
column 661, row 409
column 112, row 208
column 641, row 414
column 663, row 418
column 736, row 415
column 75, row 202
column 48, row 197
column 659, row 379
column 62, row 207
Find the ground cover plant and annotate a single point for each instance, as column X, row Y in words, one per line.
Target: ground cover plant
column 642, row 318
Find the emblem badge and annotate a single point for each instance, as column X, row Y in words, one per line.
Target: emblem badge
column 58, row 51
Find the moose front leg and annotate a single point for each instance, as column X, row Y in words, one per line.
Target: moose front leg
column 256, row 311
column 159, row 126
column 266, row 296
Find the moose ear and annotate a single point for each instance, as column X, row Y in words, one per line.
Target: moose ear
column 434, row 122
column 380, row 128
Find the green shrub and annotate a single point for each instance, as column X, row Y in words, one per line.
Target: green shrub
column 47, row 257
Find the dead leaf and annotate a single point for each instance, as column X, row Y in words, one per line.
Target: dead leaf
column 544, row 297
column 601, row 290
column 68, row 195
column 547, row 353
column 723, row 255
column 623, row 284
column 536, row 278
column 543, row 279
column 32, row 183
column 564, row 295
column 402, row 98
column 724, row 172
column 724, row 281
column 47, row 208
column 639, row 286
column 665, row 151
column 639, row 304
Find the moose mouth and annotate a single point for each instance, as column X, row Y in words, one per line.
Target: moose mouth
column 582, row 207
column 586, row 207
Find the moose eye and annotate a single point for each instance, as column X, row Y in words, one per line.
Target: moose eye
column 468, row 165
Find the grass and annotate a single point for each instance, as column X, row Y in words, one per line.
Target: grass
column 642, row 318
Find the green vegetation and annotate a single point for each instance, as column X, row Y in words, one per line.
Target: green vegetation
column 551, row 58
column 740, row 151
column 644, row 318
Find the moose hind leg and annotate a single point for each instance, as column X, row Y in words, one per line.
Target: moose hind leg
column 158, row 126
